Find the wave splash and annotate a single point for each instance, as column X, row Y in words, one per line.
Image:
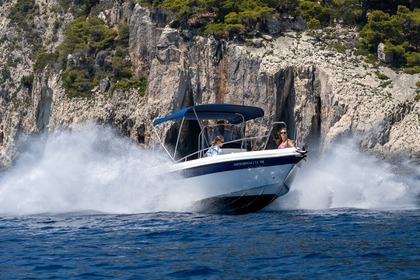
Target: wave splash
column 87, row 169
column 90, row 169
column 344, row 177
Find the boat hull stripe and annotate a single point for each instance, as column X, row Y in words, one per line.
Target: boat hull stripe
column 237, row 165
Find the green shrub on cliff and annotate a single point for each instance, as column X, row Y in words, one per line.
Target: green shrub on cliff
column 78, row 82
column 347, row 12
column 126, row 84
column 23, row 12
column 123, row 34
column 382, row 76
column 43, row 59
column 224, row 30
column 399, row 32
column 89, row 34
column 220, row 17
column 236, row 17
column 249, row 13
column 77, row 7
column 314, row 12
column 98, row 52
column 413, row 62
column 22, row 15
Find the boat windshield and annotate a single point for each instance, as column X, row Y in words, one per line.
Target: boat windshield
column 210, row 120
column 233, row 135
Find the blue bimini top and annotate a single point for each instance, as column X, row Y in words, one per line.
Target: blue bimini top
column 231, row 112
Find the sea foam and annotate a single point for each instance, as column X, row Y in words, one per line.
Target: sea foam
column 344, row 177
column 91, row 168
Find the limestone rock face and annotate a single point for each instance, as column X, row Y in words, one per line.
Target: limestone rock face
column 323, row 95
column 384, row 56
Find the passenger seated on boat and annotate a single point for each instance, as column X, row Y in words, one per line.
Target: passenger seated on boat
column 215, row 148
column 221, row 131
column 282, row 141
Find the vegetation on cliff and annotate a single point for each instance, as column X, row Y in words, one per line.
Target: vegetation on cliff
column 399, row 32
column 85, row 39
column 395, row 23
column 22, row 15
column 94, row 52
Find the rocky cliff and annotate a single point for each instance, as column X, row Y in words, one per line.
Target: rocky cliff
column 325, row 95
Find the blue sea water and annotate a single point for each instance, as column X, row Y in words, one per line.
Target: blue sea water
column 81, row 206
column 290, row 244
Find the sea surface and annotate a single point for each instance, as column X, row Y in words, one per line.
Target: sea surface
column 85, row 205
column 291, row 244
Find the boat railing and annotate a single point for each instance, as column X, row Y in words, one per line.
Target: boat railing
column 191, row 155
column 203, row 151
column 243, row 147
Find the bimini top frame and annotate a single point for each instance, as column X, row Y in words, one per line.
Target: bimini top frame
column 233, row 113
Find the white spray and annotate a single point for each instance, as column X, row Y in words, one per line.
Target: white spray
column 92, row 169
column 88, row 169
column 344, row 177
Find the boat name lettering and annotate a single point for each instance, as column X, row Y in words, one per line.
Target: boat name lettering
column 253, row 162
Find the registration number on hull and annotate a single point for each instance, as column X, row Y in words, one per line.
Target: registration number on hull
column 249, row 163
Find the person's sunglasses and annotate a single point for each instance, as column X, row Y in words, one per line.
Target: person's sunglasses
column 282, row 132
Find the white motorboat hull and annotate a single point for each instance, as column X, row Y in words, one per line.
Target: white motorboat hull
column 239, row 182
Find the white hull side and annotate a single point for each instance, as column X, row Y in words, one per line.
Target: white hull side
column 250, row 181
column 239, row 182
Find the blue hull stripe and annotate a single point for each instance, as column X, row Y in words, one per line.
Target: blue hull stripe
column 238, row 165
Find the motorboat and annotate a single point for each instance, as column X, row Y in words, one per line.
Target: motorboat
column 247, row 175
